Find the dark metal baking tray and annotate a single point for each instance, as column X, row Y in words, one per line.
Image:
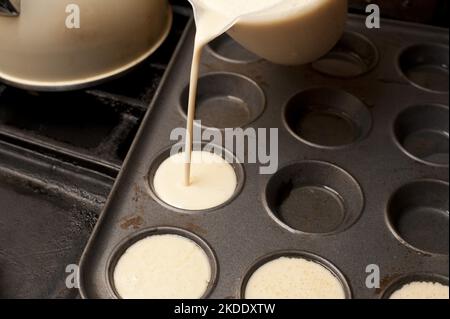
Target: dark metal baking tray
column 376, row 109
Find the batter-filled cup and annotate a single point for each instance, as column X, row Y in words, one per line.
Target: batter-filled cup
column 163, row 266
column 213, row 181
column 294, row 277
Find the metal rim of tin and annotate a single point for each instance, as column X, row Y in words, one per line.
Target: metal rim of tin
column 399, row 144
column 79, row 84
column 132, row 239
column 399, row 70
column 261, row 94
column 165, row 154
column 334, row 270
column 403, row 280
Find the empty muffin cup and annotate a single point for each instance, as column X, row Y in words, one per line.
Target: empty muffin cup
column 418, row 286
column 227, row 49
column 162, row 263
column 327, row 118
column 294, row 275
column 426, row 66
column 418, row 216
column 314, row 197
column 353, row 55
column 226, row 100
column 423, row 133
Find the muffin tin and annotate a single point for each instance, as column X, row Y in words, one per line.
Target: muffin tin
column 363, row 163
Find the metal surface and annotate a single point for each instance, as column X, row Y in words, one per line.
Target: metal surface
column 48, row 209
column 355, row 154
column 59, row 156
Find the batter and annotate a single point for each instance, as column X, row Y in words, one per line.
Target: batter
column 294, row 278
column 422, row 290
column 212, row 182
column 163, row 267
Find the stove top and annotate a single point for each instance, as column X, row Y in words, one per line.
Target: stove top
column 59, row 156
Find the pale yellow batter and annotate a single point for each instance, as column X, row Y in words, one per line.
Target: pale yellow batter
column 294, row 278
column 422, row 290
column 163, row 267
column 213, row 181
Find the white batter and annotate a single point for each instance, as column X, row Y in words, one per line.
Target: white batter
column 422, row 290
column 163, row 267
column 293, row 278
column 213, row 181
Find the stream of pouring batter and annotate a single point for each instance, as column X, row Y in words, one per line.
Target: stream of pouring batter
column 212, row 18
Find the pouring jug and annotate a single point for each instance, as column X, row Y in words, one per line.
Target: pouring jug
column 295, row 32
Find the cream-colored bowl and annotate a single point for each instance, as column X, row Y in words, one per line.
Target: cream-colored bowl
column 39, row 51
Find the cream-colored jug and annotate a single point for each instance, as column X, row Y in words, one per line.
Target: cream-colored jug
column 291, row 32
